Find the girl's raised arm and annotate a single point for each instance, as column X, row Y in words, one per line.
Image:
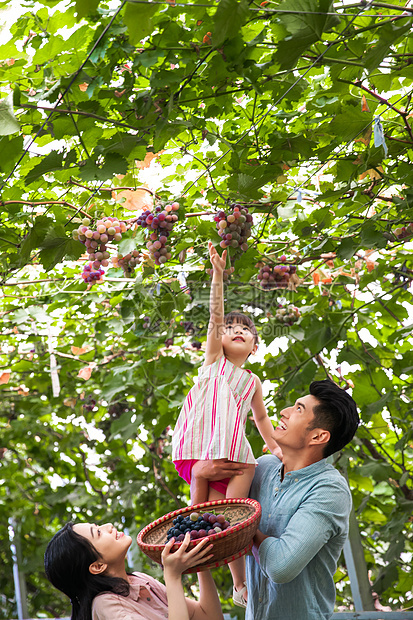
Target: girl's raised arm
column 214, row 348
column 263, row 421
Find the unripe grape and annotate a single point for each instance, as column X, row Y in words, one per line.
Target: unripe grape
column 117, row 237
column 101, row 229
column 104, row 238
column 88, row 233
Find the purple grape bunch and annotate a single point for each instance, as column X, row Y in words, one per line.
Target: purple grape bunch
column 276, row 276
column 198, row 525
column 90, row 274
column 159, row 224
column 127, row 263
column 234, row 227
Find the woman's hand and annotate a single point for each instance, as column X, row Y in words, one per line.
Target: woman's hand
column 178, row 562
column 218, row 262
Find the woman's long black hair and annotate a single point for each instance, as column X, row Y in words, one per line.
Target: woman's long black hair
column 66, row 560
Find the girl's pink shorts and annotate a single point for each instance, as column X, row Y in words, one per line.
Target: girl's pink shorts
column 184, row 469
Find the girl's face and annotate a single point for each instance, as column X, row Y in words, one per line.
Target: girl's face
column 238, row 338
column 111, row 544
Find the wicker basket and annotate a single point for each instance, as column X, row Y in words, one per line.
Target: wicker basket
column 229, row 544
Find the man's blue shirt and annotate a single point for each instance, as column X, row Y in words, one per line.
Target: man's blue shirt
column 306, row 518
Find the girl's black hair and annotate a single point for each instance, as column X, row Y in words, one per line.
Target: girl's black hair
column 243, row 319
column 66, row 561
column 336, row 413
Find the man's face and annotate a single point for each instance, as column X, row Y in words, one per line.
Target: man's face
column 292, row 430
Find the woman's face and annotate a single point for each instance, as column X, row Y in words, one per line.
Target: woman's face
column 111, row 544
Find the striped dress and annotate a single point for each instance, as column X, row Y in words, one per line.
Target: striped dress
column 211, row 424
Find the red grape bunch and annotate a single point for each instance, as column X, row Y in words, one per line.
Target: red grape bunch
column 198, row 525
column 90, row 274
column 275, row 276
column 404, row 231
column 234, row 227
column 159, row 223
column 106, row 230
column 127, row 262
column 287, row 314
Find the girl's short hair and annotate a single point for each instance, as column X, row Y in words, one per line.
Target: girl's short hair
column 243, row 319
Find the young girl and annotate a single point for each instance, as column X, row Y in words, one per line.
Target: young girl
column 87, row 563
column 211, row 424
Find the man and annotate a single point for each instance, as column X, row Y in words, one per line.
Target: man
column 305, row 508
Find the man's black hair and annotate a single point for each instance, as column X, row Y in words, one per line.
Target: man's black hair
column 336, row 413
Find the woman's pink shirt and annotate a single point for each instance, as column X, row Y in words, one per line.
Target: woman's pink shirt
column 147, row 601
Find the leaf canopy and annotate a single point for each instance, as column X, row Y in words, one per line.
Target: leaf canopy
column 270, row 105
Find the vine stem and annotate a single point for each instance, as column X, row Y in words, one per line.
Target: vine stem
column 80, row 113
column 112, row 189
column 384, row 101
column 43, row 202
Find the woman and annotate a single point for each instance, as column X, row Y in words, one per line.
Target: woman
column 87, row 563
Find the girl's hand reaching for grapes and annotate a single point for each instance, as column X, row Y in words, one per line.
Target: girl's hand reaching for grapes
column 176, row 563
column 218, row 262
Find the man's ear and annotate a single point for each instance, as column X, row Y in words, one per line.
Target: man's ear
column 97, row 567
column 320, row 437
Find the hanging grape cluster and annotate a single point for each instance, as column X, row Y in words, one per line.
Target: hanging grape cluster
column 159, row 224
column 287, row 314
column 90, row 274
column 234, row 227
column 404, row 231
column 95, row 240
column 127, row 263
column 276, row 276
